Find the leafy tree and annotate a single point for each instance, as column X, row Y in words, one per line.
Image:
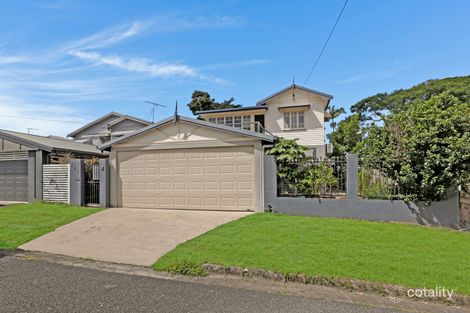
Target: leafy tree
column 334, row 113
column 288, row 154
column 348, row 135
column 425, row 148
column 376, row 107
column 202, row 101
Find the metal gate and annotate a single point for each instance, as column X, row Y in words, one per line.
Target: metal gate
column 92, row 185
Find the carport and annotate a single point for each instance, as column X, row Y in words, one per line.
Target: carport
column 22, row 157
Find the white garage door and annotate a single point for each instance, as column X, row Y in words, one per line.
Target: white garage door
column 206, row 178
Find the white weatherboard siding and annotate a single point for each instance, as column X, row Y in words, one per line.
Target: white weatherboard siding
column 313, row 133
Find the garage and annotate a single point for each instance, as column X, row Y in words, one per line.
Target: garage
column 184, row 163
column 14, row 180
column 200, row 178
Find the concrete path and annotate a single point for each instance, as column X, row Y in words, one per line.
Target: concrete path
column 6, row 203
column 130, row 236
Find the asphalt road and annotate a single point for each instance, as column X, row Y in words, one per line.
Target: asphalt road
column 39, row 286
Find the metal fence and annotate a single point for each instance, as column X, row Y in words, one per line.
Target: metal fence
column 375, row 184
column 92, row 184
column 308, row 173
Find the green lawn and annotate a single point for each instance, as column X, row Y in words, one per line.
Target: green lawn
column 21, row 223
column 402, row 254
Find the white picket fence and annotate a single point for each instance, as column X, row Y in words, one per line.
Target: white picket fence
column 56, row 181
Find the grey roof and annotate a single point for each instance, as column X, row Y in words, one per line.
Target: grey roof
column 263, row 101
column 255, row 107
column 47, row 143
column 264, row 137
column 117, row 114
column 128, row 117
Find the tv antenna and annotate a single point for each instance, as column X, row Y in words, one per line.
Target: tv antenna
column 31, row 129
column 154, row 106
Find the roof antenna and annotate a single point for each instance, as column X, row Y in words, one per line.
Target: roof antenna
column 154, row 106
column 176, row 111
column 293, row 88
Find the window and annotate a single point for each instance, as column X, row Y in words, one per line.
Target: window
column 229, row 121
column 212, row 119
column 237, row 121
column 246, row 122
column 220, row 120
column 294, row 120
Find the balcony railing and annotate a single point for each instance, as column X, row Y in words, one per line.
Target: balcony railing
column 252, row 126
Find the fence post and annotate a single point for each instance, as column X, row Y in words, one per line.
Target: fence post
column 77, row 182
column 104, row 183
column 352, row 179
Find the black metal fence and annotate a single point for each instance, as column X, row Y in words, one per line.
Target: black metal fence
column 374, row 183
column 92, row 184
column 309, row 178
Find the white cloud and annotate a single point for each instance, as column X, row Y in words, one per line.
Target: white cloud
column 107, row 37
column 18, row 115
column 11, row 59
column 376, row 75
column 138, row 65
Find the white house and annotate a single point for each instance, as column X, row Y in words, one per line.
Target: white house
column 293, row 112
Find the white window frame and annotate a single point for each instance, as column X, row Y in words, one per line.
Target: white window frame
column 246, row 122
column 294, row 120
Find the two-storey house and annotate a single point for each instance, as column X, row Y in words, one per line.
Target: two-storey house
column 293, row 112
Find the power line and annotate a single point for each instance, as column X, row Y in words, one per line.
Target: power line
column 41, row 119
column 326, row 42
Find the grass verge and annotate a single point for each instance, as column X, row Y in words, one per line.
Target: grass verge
column 407, row 255
column 21, row 223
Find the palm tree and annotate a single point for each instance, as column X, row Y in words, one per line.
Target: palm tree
column 334, row 113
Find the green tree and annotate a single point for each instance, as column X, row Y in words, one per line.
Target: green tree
column 425, row 148
column 289, row 156
column 348, row 135
column 202, row 101
column 376, row 107
column 334, row 113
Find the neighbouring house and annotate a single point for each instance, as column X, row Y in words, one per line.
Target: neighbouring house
column 107, row 127
column 186, row 163
column 22, row 157
column 293, row 112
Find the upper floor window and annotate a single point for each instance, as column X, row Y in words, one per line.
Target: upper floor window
column 294, row 120
column 238, row 121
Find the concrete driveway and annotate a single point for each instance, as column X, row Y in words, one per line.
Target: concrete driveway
column 131, row 236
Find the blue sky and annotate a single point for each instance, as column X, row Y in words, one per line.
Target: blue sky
column 72, row 61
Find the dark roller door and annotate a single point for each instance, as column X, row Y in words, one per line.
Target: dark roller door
column 14, row 180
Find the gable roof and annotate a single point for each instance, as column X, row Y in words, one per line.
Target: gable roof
column 47, row 143
column 175, row 118
column 94, row 122
column 263, row 101
column 118, row 116
column 127, row 117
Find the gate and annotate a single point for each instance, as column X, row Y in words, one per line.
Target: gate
column 92, row 185
column 56, row 182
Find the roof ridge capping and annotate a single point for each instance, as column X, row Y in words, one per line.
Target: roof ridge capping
column 175, row 118
column 262, row 101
